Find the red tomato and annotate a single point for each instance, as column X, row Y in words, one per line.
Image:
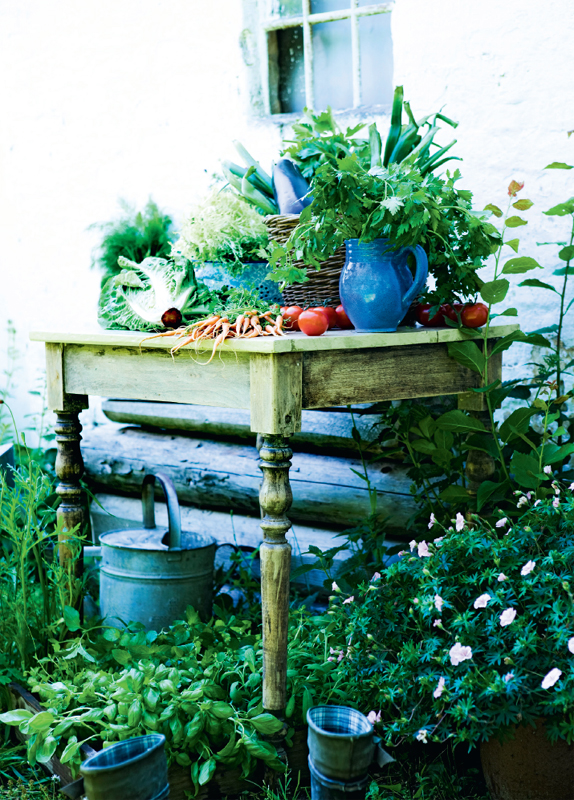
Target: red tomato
column 329, row 312
column 451, row 311
column 423, row 315
column 290, row 316
column 343, row 320
column 474, row 316
column 313, row 322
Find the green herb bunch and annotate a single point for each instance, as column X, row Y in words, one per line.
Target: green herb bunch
column 134, row 235
column 473, row 631
column 197, row 683
column 223, row 228
column 397, row 203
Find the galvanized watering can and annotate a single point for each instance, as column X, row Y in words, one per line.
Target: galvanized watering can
column 150, row 574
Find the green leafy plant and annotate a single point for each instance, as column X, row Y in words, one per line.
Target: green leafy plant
column 134, row 235
column 139, row 297
column 351, row 201
column 471, row 633
column 317, row 139
column 223, row 228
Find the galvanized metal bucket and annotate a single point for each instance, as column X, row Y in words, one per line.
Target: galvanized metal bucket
column 150, row 575
column 341, row 742
column 135, row 769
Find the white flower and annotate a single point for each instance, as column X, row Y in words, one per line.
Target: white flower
column 402, row 553
column 482, row 601
column 349, row 600
column 550, row 679
column 438, row 540
column 571, row 644
column 422, row 736
column 423, row 549
column 330, row 658
column 537, row 503
column 459, row 522
column 508, row 677
column 501, row 523
column 375, row 577
column 432, row 521
column 437, row 623
column 373, row 717
column 556, row 487
column 334, row 587
column 571, row 487
column 529, row 495
column 507, row 616
column 440, row 688
column 548, row 470
column 412, row 545
column 528, row 567
column 556, row 502
column 502, row 577
column 459, row 653
column 438, row 602
column 522, row 502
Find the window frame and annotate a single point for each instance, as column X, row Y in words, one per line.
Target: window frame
column 270, row 23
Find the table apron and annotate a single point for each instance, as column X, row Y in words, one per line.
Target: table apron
column 125, row 372
column 392, row 373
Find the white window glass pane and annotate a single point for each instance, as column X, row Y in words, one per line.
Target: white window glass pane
column 376, row 59
column 319, row 6
column 332, row 64
column 367, row 2
column 286, row 8
column 291, row 86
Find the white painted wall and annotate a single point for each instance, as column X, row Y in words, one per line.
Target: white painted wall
column 103, row 99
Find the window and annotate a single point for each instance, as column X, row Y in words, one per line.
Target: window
column 320, row 53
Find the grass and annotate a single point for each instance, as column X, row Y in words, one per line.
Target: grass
column 19, row 781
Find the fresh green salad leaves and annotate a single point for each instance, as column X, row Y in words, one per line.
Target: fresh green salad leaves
column 139, row 296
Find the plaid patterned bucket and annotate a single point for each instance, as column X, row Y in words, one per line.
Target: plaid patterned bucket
column 135, row 769
column 341, row 743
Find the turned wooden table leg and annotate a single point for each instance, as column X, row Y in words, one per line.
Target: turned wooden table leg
column 69, row 469
column 275, row 498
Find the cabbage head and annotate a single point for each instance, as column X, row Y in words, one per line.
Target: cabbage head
column 137, row 298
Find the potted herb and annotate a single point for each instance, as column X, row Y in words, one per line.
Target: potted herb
column 224, row 236
column 381, row 210
column 469, row 637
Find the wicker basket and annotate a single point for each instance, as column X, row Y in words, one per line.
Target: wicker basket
column 322, row 288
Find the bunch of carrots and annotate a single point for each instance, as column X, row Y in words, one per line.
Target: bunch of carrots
column 247, row 325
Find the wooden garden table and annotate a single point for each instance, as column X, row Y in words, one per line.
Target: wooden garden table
column 273, row 377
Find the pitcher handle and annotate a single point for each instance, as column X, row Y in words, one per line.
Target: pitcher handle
column 421, row 273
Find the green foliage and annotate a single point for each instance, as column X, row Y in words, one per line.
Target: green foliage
column 134, row 235
column 34, row 589
column 223, row 228
column 198, row 683
column 252, row 183
column 397, row 203
column 317, row 139
column 137, row 298
column 504, row 593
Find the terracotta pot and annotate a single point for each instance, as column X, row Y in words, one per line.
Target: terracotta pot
column 529, row 767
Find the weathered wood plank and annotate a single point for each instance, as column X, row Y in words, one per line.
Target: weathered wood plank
column 393, row 373
column 54, row 375
column 320, row 430
column 225, row 475
column 153, row 375
column 276, row 391
column 332, row 340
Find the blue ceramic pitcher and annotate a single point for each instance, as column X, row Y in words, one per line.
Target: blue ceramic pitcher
column 376, row 285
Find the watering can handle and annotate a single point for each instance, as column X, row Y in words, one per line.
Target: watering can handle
column 173, row 512
column 421, row 273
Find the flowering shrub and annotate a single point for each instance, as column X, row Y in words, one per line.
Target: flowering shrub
column 471, row 632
